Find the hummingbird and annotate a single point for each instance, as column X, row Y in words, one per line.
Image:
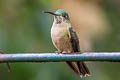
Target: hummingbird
column 65, row 39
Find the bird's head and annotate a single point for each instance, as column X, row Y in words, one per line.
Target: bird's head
column 60, row 16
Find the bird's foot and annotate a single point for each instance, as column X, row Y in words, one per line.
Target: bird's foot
column 9, row 69
column 58, row 52
column 66, row 52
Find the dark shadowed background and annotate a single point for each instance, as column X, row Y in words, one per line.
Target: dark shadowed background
column 25, row 28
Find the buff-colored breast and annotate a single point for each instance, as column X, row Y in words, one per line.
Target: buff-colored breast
column 60, row 38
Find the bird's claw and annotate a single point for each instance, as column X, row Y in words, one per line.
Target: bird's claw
column 58, row 52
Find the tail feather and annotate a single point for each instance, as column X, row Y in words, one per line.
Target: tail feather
column 79, row 68
column 86, row 68
column 72, row 66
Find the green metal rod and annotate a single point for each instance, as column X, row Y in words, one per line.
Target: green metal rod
column 54, row 57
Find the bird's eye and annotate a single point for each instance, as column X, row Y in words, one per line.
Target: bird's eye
column 65, row 16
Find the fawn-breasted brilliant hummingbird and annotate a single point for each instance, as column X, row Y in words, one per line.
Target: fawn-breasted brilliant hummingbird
column 66, row 40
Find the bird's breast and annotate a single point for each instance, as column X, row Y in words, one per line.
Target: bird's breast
column 58, row 32
column 60, row 38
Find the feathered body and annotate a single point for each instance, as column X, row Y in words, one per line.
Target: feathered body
column 60, row 36
column 66, row 40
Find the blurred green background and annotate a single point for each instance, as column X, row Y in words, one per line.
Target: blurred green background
column 25, row 28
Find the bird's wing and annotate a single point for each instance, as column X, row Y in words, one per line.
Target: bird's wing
column 74, row 40
column 78, row 67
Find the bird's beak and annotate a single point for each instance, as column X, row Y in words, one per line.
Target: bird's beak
column 52, row 13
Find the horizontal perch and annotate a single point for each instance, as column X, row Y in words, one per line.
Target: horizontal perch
column 54, row 57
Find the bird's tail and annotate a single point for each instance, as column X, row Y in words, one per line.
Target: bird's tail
column 79, row 68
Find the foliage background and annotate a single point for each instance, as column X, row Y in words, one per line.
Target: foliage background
column 24, row 28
